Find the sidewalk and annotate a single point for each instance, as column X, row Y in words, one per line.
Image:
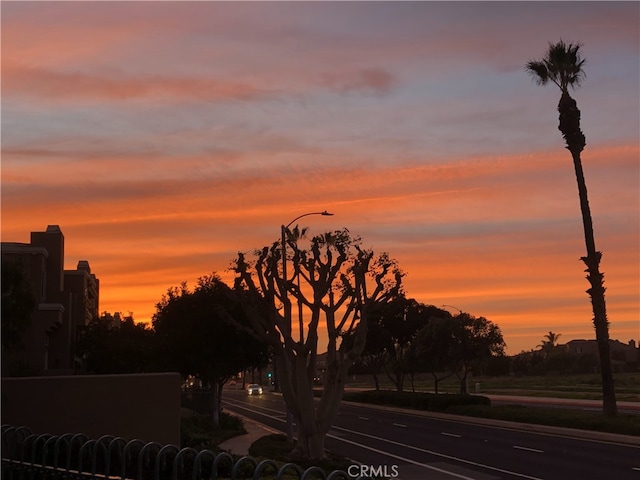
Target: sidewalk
column 240, row 445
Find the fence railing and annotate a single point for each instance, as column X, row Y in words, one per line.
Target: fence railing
column 29, row 456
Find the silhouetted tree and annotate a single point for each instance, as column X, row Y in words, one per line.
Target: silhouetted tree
column 459, row 344
column 562, row 65
column 196, row 337
column 390, row 330
column 549, row 342
column 338, row 283
column 430, row 348
column 114, row 345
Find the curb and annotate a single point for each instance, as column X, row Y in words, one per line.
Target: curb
column 239, row 445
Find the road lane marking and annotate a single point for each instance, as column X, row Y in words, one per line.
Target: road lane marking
column 528, row 449
column 474, row 421
column 363, row 418
column 437, row 454
column 398, row 457
column 450, row 434
column 400, row 425
column 461, row 460
column 279, row 412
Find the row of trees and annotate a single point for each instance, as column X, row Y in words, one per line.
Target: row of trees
column 355, row 296
column 406, row 337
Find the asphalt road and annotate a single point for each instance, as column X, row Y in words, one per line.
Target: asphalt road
column 416, row 446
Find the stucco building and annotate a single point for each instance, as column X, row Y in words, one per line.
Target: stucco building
column 621, row 353
column 67, row 299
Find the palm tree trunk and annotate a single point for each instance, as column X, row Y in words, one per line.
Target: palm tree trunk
column 570, row 128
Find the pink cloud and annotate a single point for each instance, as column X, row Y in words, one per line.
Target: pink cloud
column 375, row 80
column 20, row 80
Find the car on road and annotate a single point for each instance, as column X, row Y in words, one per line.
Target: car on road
column 254, row 389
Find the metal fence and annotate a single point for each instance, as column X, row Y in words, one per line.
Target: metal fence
column 29, row 456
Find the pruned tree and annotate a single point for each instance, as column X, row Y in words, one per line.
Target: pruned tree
column 337, row 283
column 563, row 66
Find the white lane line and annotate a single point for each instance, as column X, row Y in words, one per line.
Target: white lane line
column 430, row 452
column 363, row 418
column 450, row 434
column 408, row 460
column 278, row 412
column 635, row 468
column 400, row 425
column 528, row 449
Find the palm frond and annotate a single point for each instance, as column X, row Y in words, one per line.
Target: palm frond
column 538, row 71
column 562, row 65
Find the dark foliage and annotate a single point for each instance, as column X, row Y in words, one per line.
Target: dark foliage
column 110, row 345
column 419, row 401
column 195, row 337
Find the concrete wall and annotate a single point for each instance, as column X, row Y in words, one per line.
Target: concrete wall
column 143, row 406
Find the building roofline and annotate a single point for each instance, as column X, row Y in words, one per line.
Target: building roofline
column 17, row 247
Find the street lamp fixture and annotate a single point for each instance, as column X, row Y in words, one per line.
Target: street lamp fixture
column 455, row 308
column 283, row 232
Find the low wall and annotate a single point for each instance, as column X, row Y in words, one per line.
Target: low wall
column 142, row 406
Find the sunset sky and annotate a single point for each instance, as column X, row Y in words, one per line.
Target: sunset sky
column 164, row 137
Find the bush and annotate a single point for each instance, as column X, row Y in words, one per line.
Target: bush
column 276, row 447
column 419, row 401
column 197, row 431
column 271, row 446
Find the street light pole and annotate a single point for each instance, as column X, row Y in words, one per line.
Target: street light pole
column 283, row 232
column 451, row 306
column 285, row 298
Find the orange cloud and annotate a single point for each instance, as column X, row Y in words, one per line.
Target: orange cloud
column 164, row 137
column 486, row 235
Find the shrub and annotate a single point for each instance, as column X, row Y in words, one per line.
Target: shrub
column 197, row 431
column 276, row 447
column 419, row 401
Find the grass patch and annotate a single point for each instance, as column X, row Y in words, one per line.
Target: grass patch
column 478, row 406
column 621, row 423
column 577, row 386
column 197, row 430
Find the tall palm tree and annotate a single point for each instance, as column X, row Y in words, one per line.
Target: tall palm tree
column 562, row 65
